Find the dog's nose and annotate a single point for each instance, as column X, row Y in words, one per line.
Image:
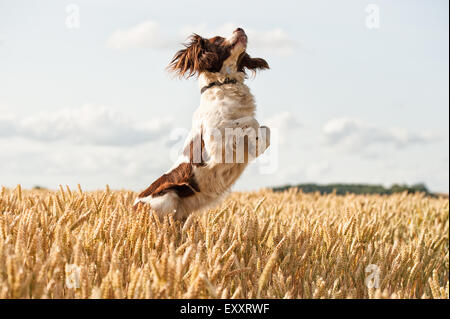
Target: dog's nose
column 239, row 30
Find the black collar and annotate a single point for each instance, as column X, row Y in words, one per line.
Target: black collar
column 217, row 83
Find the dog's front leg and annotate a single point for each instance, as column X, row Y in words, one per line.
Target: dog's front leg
column 254, row 138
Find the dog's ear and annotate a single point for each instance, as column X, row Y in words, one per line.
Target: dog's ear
column 192, row 60
column 253, row 64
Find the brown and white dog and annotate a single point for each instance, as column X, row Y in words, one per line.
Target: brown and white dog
column 213, row 156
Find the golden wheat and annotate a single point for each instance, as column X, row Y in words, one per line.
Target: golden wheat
column 76, row 244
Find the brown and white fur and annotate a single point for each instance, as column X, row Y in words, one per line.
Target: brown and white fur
column 198, row 182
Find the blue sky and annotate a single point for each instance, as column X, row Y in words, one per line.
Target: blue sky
column 94, row 105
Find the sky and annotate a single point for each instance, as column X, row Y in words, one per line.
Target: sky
column 357, row 91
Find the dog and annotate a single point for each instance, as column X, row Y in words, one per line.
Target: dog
column 225, row 135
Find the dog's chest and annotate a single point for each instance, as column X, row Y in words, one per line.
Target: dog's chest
column 219, row 107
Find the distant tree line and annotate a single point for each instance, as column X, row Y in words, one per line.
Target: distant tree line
column 342, row 189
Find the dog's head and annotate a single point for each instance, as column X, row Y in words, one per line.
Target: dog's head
column 215, row 55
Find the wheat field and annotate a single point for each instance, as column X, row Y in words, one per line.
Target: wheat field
column 76, row 244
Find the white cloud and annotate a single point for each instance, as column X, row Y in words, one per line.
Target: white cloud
column 284, row 119
column 285, row 123
column 147, row 34
column 49, row 164
column 7, row 125
column 274, row 40
column 89, row 124
column 356, row 135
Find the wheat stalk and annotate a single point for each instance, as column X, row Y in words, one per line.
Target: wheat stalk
column 256, row 244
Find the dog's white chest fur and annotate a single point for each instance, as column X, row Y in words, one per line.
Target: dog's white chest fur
column 219, row 105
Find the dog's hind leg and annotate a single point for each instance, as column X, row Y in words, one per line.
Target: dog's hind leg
column 162, row 205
